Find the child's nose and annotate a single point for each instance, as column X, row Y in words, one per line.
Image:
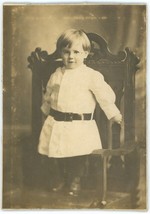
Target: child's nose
column 71, row 55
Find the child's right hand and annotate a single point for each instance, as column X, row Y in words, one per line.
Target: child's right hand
column 117, row 119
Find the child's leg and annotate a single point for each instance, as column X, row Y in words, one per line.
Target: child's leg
column 76, row 169
column 76, row 165
column 60, row 178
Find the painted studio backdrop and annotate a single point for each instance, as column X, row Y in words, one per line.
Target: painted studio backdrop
column 27, row 27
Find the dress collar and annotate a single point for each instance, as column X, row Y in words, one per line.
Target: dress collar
column 80, row 68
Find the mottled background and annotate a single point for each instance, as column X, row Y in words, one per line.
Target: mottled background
column 29, row 26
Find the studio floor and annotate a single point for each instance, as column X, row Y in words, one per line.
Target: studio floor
column 17, row 194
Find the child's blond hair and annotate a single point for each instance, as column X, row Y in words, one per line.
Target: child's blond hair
column 69, row 36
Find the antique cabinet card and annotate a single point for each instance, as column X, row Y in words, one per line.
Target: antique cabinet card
column 114, row 177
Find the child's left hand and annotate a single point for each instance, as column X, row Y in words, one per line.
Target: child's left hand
column 117, row 119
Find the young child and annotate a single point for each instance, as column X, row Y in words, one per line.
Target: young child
column 69, row 133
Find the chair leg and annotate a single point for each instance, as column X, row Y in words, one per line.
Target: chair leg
column 101, row 191
column 132, row 166
column 104, row 194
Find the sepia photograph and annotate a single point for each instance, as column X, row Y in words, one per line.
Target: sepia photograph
column 74, row 106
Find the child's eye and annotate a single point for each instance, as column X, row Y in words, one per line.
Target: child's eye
column 65, row 52
column 76, row 52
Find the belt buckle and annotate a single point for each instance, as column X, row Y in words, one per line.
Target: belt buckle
column 68, row 116
column 82, row 116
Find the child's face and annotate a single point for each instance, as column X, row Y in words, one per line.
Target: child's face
column 74, row 56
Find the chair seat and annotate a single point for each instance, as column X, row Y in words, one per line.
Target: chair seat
column 123, row 150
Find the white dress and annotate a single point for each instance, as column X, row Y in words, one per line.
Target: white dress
column 76, row 91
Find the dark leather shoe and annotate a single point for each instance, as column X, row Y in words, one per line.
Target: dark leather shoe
column 75, row 187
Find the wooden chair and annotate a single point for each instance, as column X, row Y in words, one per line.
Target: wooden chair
column 120, row 153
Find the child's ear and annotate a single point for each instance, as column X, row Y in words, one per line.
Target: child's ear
column 86, row 53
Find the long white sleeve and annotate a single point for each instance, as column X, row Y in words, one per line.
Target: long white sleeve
column 104, row 94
